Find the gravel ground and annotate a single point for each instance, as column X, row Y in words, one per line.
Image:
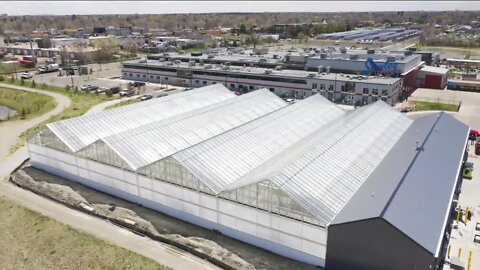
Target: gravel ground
column 232, row 252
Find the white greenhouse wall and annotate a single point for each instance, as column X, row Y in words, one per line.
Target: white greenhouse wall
column 287, row 237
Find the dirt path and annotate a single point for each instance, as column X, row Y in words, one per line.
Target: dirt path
column 11, row 130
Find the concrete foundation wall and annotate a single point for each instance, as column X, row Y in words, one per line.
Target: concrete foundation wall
column 287, row 237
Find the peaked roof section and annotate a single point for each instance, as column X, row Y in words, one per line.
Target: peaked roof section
column 325, row 176
column 81, row 131
column 238, row 155
column 413, row 189
column 152, row 142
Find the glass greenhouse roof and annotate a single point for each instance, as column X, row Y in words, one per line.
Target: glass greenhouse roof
column 81, row 131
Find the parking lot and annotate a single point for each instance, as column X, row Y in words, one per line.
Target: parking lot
column 104, row 75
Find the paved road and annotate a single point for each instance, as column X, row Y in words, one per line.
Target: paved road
column 11, row 130
column 100, row 228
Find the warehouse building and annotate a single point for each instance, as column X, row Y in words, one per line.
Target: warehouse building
column 345, row 89
column 432, row 77
column 308, row 181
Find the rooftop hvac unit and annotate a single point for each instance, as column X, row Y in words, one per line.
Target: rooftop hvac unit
column 343, row 50
column 323, row 56
column 311, row 75
column 320, row 69
column 177, row 62
column 278, row 68
column 327, row 69
column 161, row 60
column 268, row 71
column 208, row 66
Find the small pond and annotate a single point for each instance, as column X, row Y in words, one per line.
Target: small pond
column 5, row 112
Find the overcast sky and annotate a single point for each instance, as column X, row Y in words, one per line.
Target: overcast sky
column 146, row 7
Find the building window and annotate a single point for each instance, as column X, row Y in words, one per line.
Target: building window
column 232, row 85
column 342, row 88
column 365, row 90
column 214, row 83
column 384, row 92
column 131, row 74
column 151, row 76
column 272, row 89
column 166, row 78
column 158, row 77
column 197, row 81
column 240, row 86
column 314, row 86
column 330, row 87
column 204, row 82
column 138, row 75
column 144, row 76
column 251, row 87
column 365, row 100
column 374, row 99
column 330, row 96
column 384, row 99
column 375, row 91
column 124, row 74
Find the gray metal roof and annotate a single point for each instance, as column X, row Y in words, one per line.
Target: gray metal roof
column 81, row 131
column 156, row 140
column 413, row 189
column 239, row 157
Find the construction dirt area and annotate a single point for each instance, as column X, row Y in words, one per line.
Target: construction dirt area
column 234, row 253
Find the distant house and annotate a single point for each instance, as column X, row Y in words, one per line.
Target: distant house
column 119, row 31
column 99, row 30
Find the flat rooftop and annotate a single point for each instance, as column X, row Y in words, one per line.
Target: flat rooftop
column 274, row 73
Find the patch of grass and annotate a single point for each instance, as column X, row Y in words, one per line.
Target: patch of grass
column 27, row 104
column 123, row 103
column 81, row 103
column 434, row 106
column 33, row 241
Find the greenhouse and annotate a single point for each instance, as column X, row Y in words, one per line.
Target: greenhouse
column 252, row 166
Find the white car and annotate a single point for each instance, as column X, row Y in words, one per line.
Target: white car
column 102, row 89
column 26, row 75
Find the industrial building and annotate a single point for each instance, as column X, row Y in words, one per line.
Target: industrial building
column 401, row 64
column 309, row 181
column 432, row 77
column 381, row 34
column 345, row 89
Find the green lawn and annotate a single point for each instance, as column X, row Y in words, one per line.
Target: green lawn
column 123, row 103
column 434, row 106
column 27, row 104
column 81, row 103
column 32, row 241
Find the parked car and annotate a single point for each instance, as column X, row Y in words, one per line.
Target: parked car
column 125, row 93
column 26, row 75
column 188, row 89
column 102, row 89
column 137, row 84
column 115, row 90
column 85, row 87
column 162, row 95
column 146, row 97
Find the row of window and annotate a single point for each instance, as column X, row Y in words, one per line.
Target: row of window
column 375, row 91
column 219, row 74
column 350, row 99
